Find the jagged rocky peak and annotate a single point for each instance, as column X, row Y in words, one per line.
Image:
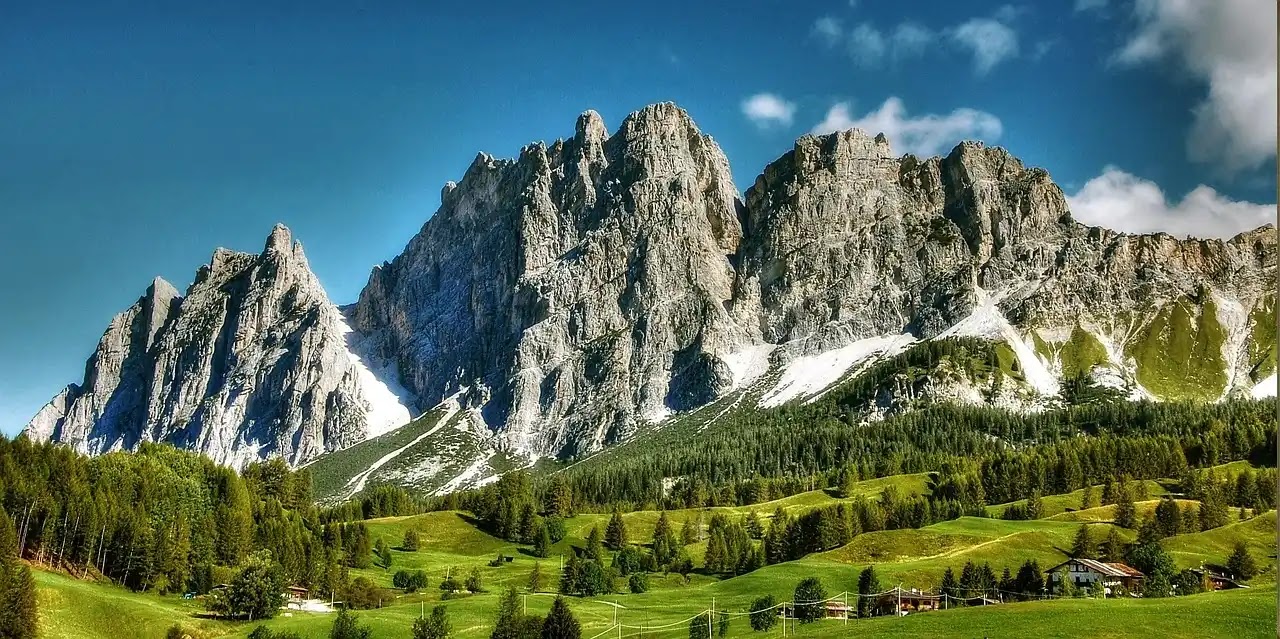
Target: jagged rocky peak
column 571, row 294
column 592, row 294
column 251, row 362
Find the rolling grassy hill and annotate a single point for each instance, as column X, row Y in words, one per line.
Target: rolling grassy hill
column 915, row 558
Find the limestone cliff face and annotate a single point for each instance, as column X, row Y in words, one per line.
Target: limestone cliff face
column 576, row 290
column 589, row 286
column 251, row 362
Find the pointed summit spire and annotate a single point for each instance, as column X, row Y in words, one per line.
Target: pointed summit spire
column 280, row 240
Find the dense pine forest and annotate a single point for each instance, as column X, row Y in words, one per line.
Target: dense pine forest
column 754, row 456
column 171, row 521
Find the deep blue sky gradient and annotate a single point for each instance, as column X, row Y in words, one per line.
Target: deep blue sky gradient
column 136, row 137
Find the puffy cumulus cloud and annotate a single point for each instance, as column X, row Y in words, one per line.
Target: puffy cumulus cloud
column 1090, row 5
column 923, row 135
column 767, row 109
column 1231, row 46
column 990, row 41
column 1124, row 202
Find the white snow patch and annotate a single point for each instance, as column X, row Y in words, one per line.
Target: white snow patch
column 1265, row 388
column 471, row 476
column 1235, row 323
column 812, row 374
column 988, row 322
column 749, row 363
column 387, row 401
column 450, row 406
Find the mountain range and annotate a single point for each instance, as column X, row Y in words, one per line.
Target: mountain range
column 604, row 284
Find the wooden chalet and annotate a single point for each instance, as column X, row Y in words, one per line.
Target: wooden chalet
column 1217, row 578
column 1086, row 572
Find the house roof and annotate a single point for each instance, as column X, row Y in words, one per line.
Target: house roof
column 1104, row 568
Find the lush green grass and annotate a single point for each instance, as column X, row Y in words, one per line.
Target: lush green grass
column 330, row 473
column 1179, row 352
column 1234, row 614
column 1081, row 353
column 71, row 607
column 1214, row 546
column 1262, row 338
column 1070, row 502
column 913, row 558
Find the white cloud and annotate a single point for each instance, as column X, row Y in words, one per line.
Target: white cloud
column 828, row 30
column 767, row 109
column 1124, row 202
column 923, row 135
column 910, row 39
column 990, row 41
column 1231, row 46
column 867, row 45
column 1090, row 5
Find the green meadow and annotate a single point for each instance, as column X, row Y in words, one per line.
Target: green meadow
column 451, row 542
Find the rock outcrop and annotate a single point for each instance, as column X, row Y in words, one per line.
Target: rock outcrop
column 587, row 287
column 251, row 362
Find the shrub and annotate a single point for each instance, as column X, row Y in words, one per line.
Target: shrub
column 639, row 582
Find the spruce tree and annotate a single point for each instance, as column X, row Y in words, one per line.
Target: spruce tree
column 17, row 588
column 595, row 548
column 536, row 579
column 560, row 622
column 507, row 623
column 868, row 584
column 1114, row 547
column 949, row 585
column 1083, row 547
column 410, row 542
column 1241, row 563
column 615, row 534
column 1126, row 512
column 436, row 626
column 690, row 531
column 542, row 542
column 1089, row 499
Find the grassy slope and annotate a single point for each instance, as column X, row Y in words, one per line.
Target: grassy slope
column 1262, row 338
column 1214, row 546
column 915, row 558
column 1069, row 502
column 83, row 609
column 329, row 474
column 1179, row 352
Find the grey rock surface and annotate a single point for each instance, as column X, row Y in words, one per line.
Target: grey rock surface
column 574, row 293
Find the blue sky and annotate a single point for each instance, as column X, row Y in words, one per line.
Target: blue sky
column 136, row 138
